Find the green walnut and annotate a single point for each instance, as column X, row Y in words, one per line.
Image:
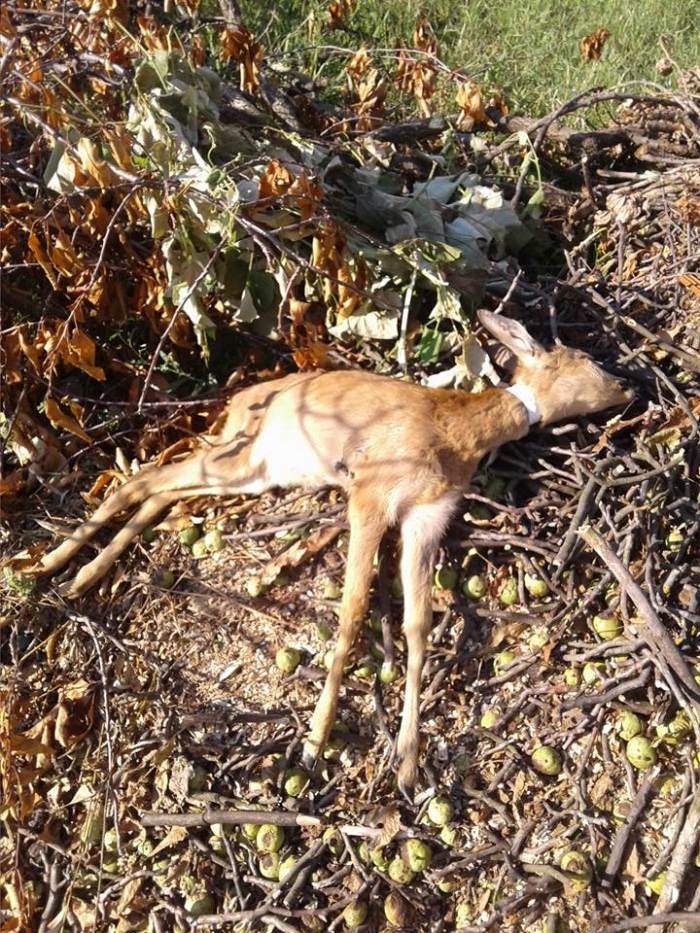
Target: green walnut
column 287, row 660
column 270, row 838
column 508, row 593
column 296, row 781
column 355, row 913
column 536, row 586
column 641, row 754
column 417, row 854
column 214, row 540
column 475, row 586
column 187, row 536
column 489, row 718
column 607, row 627
column 400, row 872
column 440, row 811
column 579, row 869
column 501, row 662
column 629, row 725
column 546, row 760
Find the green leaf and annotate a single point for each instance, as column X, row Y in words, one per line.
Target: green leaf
column 429, row 347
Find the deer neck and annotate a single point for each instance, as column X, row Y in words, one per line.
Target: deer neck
column 471, row 426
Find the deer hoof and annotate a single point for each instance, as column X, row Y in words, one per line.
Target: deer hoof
column 310, row 754
column 407, row 781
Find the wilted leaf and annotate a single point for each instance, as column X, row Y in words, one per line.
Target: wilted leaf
column 240, row 44
column 153, row 33
column 369, row 323
column 592, row 44
column 299, row 552
column 75, row 714
column 370, row 91
column 275, row 180
column 470, row 101
column 181, row 771
column 96, row 168
column 423, row 36
column 338, row 13
column 63, row 255
column 314, row 355
column 161, row 754
column 30, row 746
column 42, row 258
column 62, row 419
column 690, row 279
column 173, row 837
column 389, row 818
column 359, row 64
column 126, row 903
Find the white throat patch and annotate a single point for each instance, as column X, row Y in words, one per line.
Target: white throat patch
column 527, row 398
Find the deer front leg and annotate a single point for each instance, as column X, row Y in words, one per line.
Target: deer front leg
column 367, row 526
column 421, row 531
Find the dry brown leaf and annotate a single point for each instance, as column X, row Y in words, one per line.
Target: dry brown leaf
column 370, row 91
column 632, row 867
column 592, row 44
column 358, row 65
column 389, row 818
column 126, row 903
column 11, row 483
column 77, row 349
column 600, row 789
column 240, row 44
column 14, row 344
column 297, row 311
column 161, row 754
column 173, row 837
column 470, row 101
column 275, row 180
column 418, row 75
column 75, row 714
column 314, row 355
column 41, row 256
column 299, row 552
column 424, row 37
column 338, row 13
column 93, row 166
column 61, row 419
column 30, row 746
column 299, row 192
column 690, row 279
column 63, row 255
column 181, row 771
column 154, row 35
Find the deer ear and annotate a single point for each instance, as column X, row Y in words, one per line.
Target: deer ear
column 512, row 335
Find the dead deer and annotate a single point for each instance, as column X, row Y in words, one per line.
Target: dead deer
column 403, row 453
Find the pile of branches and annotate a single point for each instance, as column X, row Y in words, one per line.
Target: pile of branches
column 175, row 211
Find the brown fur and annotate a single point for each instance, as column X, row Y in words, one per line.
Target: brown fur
column 402, row 453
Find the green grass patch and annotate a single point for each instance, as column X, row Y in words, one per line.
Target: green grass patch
column 531, row 50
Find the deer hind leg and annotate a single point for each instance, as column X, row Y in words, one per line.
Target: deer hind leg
column 367, row 526
column 221, row 470
column 421, row 530
column 138, row 488
column 133, row 490
column 203, row 475
column 92, row 572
